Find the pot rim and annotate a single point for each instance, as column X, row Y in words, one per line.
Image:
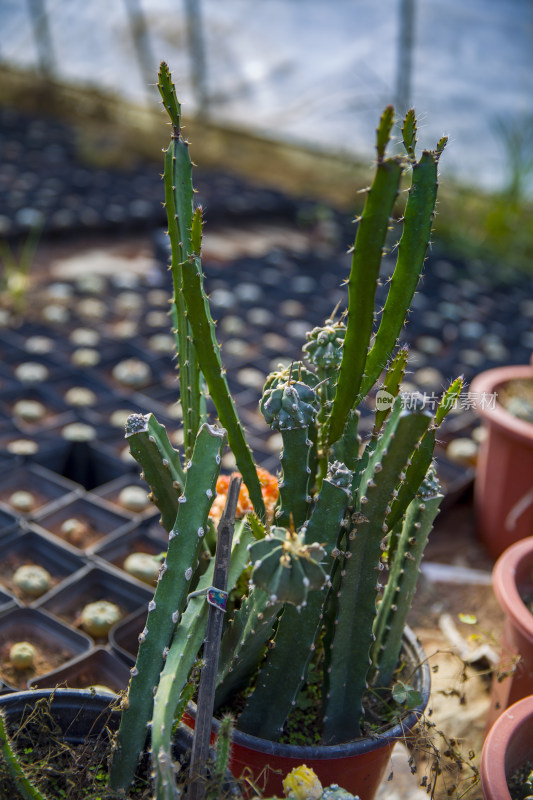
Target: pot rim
column 365, row 744
column 498, row 417
column 504, row 581
column 494, row 755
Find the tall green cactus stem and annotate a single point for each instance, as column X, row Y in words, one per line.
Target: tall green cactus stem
column 349, row 658
column 399, row 592
column 160, row 463
column 27, row 790
column 364, row 274
column 360, row 369
column 185, row 543
column 189, row 286
column 291, row 408
column 414, row 241
column 179, row 208
column 422, row 458
column 284, row 670
column 183, row 652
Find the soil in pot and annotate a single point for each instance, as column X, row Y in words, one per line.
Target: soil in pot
column 83, row 522
column 95, row 586
column 53, row 644
column 516, row 397
column 32, row 565
column 517, row 782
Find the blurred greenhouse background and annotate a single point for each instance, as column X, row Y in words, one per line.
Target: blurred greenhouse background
column 311, row 72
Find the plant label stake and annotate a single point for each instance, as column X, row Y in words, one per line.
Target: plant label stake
column 216, row 597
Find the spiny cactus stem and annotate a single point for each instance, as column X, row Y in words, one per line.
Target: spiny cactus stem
column 294, row 484
column 184, row 546
column 194, row 314
column 366, row 261
column 206, row 693
column 27, row 790
column 418, row 219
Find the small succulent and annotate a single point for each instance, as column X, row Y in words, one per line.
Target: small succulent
column 79, row 432
column 143, row 566
column 133, row 373
column 85, row 357
column 74, row 530
column 134, row 498
column 22, row 655
column 99, row 617
column 29, row 410
column 22, row 501
column 303, row 784
column 22, row 447
column 32, row 579
column 80, row 397
column 32, row 372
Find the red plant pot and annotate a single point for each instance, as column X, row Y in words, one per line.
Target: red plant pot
column 358, row 766
column 503, row 493
column 506, row 748
column 512, row 579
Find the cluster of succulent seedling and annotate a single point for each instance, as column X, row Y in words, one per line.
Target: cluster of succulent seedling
column 349, row 511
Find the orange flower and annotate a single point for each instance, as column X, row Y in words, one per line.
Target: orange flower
column 269, row 490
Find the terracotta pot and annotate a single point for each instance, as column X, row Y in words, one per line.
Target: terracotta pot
column 503, row 487
column 506, row 748
column 358, row 766
column 512, row 578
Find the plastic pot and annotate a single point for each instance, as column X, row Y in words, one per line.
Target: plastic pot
column 358, row 766
column 507, row 747
column 98, row 667
column 56, row 642
column 512, row 580
column 48, row 490
column 503, row 489
column 98, row 519
column 84, row 715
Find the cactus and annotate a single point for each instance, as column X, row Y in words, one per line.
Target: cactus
column 32, row 579
column 143, row 566
column 22, row 655
column 356, row 500
column 302, row 784
column 348, row 511
column 27, row 790
column 98, row 618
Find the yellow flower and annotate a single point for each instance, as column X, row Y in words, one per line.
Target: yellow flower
column 302, row 784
